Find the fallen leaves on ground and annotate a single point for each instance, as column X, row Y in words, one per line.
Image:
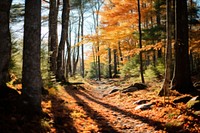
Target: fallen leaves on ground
column 82, row 109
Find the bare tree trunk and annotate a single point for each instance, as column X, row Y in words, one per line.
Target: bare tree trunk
column 53, row 36
column 82, row 46
column 99, row 63
column 94, row 60
column 140, row 42
column 168, row 55
column 68, row 61
column 109, row 63
column 182, row 76
column 158, row 21
column 60, row 59
column 120, row 51
column 76, row 55
column 31, row 74
column 115, row 62
column 5, row 41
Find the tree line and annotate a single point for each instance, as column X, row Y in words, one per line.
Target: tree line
column 59, row 61
column 151, row 29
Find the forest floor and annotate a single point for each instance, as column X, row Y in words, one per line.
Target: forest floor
column 86, row 109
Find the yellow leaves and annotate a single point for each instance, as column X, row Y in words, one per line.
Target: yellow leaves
column 77, row 114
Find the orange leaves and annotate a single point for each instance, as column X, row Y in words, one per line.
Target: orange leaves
column 195, row 41
column 119, row 24
column 83, row 110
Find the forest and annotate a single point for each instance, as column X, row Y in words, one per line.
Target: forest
column 100, row 66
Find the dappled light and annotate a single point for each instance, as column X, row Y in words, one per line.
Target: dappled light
column 99, row 66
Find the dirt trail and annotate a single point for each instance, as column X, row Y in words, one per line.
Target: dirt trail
column 83, row 109
column 90, row 113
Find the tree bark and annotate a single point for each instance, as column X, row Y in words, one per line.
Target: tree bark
column 31, row 74
column 158, row 21
column 82, row 33
column 76, row 54
column 168, row 57
column 115, row 62
column 140, row 42
column 60, row 59
column 53, row 36
column 5, row 41
column 182, row 76
column 109, row 63
column 98, row 62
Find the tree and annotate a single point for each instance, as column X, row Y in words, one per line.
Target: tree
column 168, row 57
column 158, row 4
column 75, row 56
column 109, row 63
column 5, row 43
column 60, row 58
column 96, row 6
column 53, row 37
column 182, row 78
column 31, row 74
column 140, row 41
column 115, row 62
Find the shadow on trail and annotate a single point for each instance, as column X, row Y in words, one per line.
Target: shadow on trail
column 100, row 120
column 13, row 119
column 61, row 114
column 156, row 124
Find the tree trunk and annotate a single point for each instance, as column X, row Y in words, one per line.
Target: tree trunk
column 168, row 57
column 182, row 77
column 98, row 62
column 140, row 41
column 94, row 60
column 158, row 18
column 31, row 74
column 120, row 51
column 68, row 65
column 109, row 64
column 5, row 41
column 60, row 59
column 53, row 36
column 82, row 46
column 115, row 62
column 76, row 55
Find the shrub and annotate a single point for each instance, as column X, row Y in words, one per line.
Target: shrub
column 151, row 72
column 131, row 68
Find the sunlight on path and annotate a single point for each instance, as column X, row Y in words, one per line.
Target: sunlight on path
column 122, row 122
column 92, row 114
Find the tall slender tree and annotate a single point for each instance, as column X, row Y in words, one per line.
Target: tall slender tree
column 158, row 4
column 96, row 6
column 82, row 33
column 60, row 58
column 31, row 74
column 76, row 49
column 109, row 63
column 53, row 36
column 168, row 54
column 140, row 41
column 182, row 76
column 68, row 52
column 5, row 43
column 115, row 62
